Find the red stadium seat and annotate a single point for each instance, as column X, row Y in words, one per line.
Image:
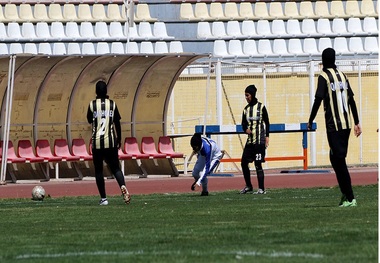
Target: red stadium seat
column 43, row 150
column 79, row 148
column 11, row 155
column 25, row 150
column 165, row 146
column 131, row 147
column 148, row 147
column 62, row 149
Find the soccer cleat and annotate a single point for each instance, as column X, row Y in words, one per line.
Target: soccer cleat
column 348, row 203
column 344, row 198
column 246, row 189
column 260, row 192
column 103, row 201
column 193, row 186
column 204, row 194
column 126, row 195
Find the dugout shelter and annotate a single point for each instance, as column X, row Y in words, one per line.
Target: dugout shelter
column 46, row 97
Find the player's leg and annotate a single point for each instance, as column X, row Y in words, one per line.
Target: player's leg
column 112, row 160
column 97, row 158
column 259, row 159
column 247, row 158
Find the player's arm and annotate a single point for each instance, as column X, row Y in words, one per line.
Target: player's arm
column 267, row 125
column 90, row 114
column 244, row 122
column 354, row 110
column 116, row 122
column 322, row 84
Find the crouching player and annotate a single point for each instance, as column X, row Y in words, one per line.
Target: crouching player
column 208, row 157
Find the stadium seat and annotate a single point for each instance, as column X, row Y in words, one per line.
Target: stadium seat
column 261, row 11
column 132, row 48
column 371, row 45
column 45, row 48
column 276, row 11
column 293, row 28
column 145, row 31
column 26, row 13
column 370, row 26
column 310, row 47
column 40, row 13
column 101, row 31
column 14, row 31
column 291, row 10
column 61, row 149
column 280, row 47
column 264, row 47
column 248, row 28
column 159, row 31
column 131, row 32
column 113, row 13
column 355, row 45
column 341, row 46
column 146, row 47
column 295, row 47
column 30, row 48
column 278, row 28
column 201, row 11
column 367, row 9
column 175, row 47
column 86, row 31
column 233, row 29
column 204, row 30
column 4, row 49
column 160, row 47
column 55, row 13
column 250, row 48
column 43, row 31
column 88, row 48
column 16, row 48
column 323, row 43
column 79, row 148
column 11, row 154
column 84, row 13
column 263, row 28
column 165, row 146
column 220, row 48
column 28, row 31
column 352, row 9
column 246, row 11
column 148, row 147
column 102, row 48
column 234, row 48
column 43, row 150
column 354, row 26
column 11, row 13
column 216, row 11
column 337, row 9
column 3, row 32
column 322, row 10
column 69, row 13
column 324, row 27
column 132, row 147
column 143, row 13
column 308, row 27
column 307, row 10
column 218, row 30
column 57, row 31
column 98, row 13
column 72, row 31
column 59, row 48
column 117, row 48
column 339, row 27
column 116, row 32
column 186, row 12
column 231, row 11
column 25, row 150
column 73, row 48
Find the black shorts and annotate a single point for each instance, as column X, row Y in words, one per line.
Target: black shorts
column 254, row 153
column 338, row 142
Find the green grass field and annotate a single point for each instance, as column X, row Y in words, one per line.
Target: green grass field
column 286, row 225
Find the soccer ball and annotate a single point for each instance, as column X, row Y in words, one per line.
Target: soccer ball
column 38, row 193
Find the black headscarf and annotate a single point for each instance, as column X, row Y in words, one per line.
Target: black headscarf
column 101, row 89
column 196, row 141
column 251, row 89
column 328, row 58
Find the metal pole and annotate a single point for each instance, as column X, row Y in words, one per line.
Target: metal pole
column 8, row 110
column 219, row 104
column 207, row 91
column 313, row 143
column 360, row 110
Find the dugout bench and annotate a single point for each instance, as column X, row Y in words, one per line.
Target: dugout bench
column 273, row 128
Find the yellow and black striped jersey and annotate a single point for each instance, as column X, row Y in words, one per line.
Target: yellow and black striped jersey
column 255, row 117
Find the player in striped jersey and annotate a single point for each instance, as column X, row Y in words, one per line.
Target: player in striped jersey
column 255, row 123
column 104, row 116
column 340, row 107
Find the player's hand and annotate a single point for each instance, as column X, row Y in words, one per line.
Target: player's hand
column 309, row 126
column 357, row 130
